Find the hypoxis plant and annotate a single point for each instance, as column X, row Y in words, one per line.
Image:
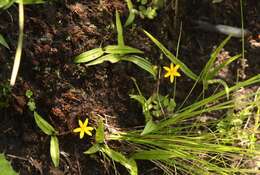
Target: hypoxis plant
column 46, row 128
column 116, row 53
column 187, row 139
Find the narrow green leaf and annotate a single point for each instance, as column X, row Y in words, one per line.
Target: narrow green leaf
column 131, row 16
column 55, row 151
column 156, row 154
column 113, row 58
column 120, row 37
column 5, row 166
column 100, row 133
column 3, row 42
column 130, row 164
column 142, row 63
column 117, row 49
column 212, row 59
column 149, row 127
column 89, row 55
column 223, row 83
column 175, row 60
column 213, row 73
column 93, row 149
column 5, row 4
column 43, row 124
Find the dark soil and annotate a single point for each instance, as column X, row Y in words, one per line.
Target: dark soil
column 65, row 92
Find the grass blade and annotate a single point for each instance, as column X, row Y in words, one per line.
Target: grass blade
column 130, row 164
column 18, row 54
column 175, row 60
column 213, row 57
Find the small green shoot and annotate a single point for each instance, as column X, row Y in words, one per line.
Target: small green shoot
column 46, row 128
column 116, row 53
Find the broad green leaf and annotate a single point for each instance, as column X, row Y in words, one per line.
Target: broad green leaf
column 5, row 4
column 116, row 49
column 93, row 149
column 142, row 63
column 3, row 42
column 5, row 166
column 55, row 151
column 43, row 124
column 131, row 16
column 213, row 57
column 112, row 58
column 149, row 127
column 130, row 164
column 89, row 55
column 100, row 133
column 30, row 1
column 175, row 60
column 120, row 36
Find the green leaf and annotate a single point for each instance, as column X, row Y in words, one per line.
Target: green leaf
column 131, row 16
column 93, row 149
column 43, row 124
column 142, row 63
column 55, row 151
column 156, row 154
column 141, row 99
column 89, row 55
column 222, row 65
column 28, row 93
column 3, row 42
column 120, row 37
column 149, row 127
column 130, row 164
column 5, row 166
column 100, row 134
column 30, row 1
column 175, row 60
column 117, row 49
column 113, row 58
column 5, row 4
column 213, row 57
column 223, row 83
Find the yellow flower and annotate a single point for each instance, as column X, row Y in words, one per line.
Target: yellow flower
column 172, row 72
column 83, row 129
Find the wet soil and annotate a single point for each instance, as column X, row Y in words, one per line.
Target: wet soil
column 64, row 92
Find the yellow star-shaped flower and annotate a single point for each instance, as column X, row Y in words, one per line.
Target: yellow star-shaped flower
column 83, row 128
column 172, row 72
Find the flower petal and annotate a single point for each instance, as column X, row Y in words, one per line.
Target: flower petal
column 167, row 74
column 177, row 74
column 85, row 122
column 81, row 135
column 171, row 66
column 80, row 123
column 77, row 130
column 166, row 68
column 89, row 133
